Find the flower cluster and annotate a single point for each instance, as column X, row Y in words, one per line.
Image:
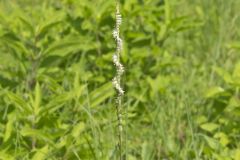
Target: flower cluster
column 116, row 56
column 120, row 68
column 117, row 86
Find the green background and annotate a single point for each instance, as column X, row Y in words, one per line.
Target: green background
column 182, row 80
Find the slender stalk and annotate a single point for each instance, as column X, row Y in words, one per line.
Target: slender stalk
column 31, row 82
column 117, row 78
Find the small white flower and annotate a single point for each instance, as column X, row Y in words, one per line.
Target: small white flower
column 115, row 34
column 115, row 59
column 120, row 69
column 120, row 44
column 114, row 81
column 117, row 86
column 121, row 91
column 119, row 19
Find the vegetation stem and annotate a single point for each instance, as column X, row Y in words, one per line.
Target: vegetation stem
column 117, row 78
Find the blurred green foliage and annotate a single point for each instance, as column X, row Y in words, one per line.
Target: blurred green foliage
column 56, row 96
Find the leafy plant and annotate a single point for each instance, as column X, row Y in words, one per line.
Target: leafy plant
column 223, row 121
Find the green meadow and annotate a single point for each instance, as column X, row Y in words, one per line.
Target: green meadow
column 181, row 80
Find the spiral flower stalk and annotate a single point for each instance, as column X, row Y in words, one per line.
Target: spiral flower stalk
column 119, row 71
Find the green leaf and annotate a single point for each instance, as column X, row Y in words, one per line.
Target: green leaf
column 20, row 103
column 236, row 72
column 78, row 129
column 52, row 84
column 223, row 74
column 159, row 84
column 167, row 12
column 6, row 156
column 27, row 24
column 234, row 45
column 69, row 45
column 214, row 91
column 9, row 126
column 11, row 40
column 210, row 127
column 201, row 119
column 41, row 154
column 223, row 138
column 146, row 151
column 77, row 87
column 100, row 94
column 212, row 142
column 102, row 7
column 233, row 107
column 46, row 28
column 131, row 157
column 237, row 154
column 39, row 134
column 55, row 103
column 62, row 48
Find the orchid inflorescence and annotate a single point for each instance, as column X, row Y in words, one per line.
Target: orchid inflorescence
column 117, row 79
